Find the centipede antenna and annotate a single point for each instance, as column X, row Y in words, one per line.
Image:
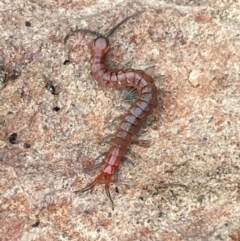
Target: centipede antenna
column 97, row 33
column 119, row 24
column 109, row 195
column 80, row 30
column 87, row 31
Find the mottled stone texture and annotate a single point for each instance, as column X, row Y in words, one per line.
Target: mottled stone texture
column 185, row 183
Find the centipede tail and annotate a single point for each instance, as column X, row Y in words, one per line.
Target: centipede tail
column 133, row 119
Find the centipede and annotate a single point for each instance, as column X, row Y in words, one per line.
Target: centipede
column 135, row 116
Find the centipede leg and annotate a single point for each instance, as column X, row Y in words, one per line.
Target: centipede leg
column 129, row 150
column 128, row 160
column 108, row 193
column 101, row 155
column 92, row 184
column 107, row 139
column 131, row 95
column 98, row 179
column 117, row 169
column 125, row 159
column 87, row 169
column 142, row 143
column 116, row 174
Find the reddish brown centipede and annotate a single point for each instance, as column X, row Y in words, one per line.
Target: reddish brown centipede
column 135, row 116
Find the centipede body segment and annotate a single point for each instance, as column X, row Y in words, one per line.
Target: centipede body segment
column 133, row 119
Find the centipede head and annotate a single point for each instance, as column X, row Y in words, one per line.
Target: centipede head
column 101, row 43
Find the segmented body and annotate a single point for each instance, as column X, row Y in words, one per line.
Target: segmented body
column 133, row 119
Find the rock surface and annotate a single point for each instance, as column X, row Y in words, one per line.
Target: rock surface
column 53, row 116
